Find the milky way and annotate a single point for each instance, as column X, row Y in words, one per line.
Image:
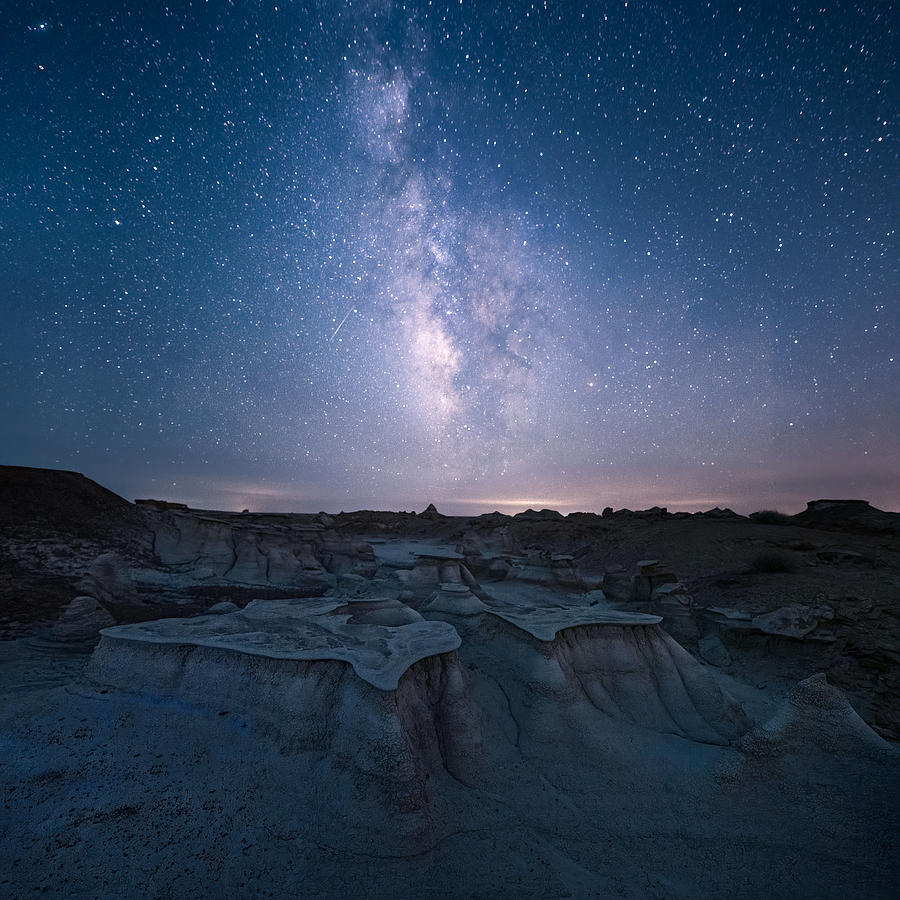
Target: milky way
column 301, row 256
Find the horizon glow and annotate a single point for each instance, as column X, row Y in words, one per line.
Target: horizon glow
column 314, row 256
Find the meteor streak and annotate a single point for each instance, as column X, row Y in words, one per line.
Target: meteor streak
column 336, row 330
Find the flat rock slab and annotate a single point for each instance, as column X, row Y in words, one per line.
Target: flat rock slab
column 288, row 629
column 544, row 623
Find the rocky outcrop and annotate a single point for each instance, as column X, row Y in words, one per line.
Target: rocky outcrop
column 438, row 568
column 455, row 600
column 816, row 715
column 629, row 668
column 81, row 621
column 795, row 620
column 388, row 702
column 160, row 505
column 109, row 579
column 298, row 555
column 538, row 515
column 301, row 630
column 651, row 576
column 346, row 557
column 848, row 515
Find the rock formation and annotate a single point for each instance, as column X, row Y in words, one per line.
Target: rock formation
column 370, row 682
column 817, row 715
column 336, row 705
column 629, row 669
column 454, row 599
column 82, row 621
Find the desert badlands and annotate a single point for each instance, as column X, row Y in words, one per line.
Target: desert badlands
column 375, row 704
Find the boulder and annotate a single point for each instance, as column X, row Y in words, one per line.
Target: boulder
column 794, row 620
column 650, row 576
column 382, row 610
column 81, row 621
column 713, row 651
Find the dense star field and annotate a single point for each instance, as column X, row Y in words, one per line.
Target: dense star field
column 330, row 255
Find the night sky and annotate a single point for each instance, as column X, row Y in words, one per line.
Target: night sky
column 323, row 255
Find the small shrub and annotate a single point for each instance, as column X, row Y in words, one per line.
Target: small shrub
column 772, row 561
column 770, row 517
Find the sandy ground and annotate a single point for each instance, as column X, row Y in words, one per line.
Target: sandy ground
column 117, row 792
column 112, row 795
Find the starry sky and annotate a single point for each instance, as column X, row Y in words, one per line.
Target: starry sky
column 302, row 254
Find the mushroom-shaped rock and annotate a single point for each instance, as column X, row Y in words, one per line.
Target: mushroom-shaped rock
column 436, row 568
column 651, row 575
column 290, row 630
column 389, row 702
column 454, row 599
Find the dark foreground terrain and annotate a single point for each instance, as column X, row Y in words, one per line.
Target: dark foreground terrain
column 369, row 704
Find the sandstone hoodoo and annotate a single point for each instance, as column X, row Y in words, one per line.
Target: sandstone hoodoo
column 438, row 568
column 368, row 680
column 628, row 668
column 378, row 639
column 454, row 599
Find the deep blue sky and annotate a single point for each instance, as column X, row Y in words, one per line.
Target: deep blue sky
column 322, row 255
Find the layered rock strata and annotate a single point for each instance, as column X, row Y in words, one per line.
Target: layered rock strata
column 388, row 702
column 628, row 667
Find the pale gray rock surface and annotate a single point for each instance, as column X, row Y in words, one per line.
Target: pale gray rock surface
column 629, row 669
column 795, row 620
column 544, row 623
column 454, row 599
column 278, row 629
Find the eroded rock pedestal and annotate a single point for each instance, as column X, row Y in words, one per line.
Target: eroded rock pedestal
column 627, row 666
column 389, row 701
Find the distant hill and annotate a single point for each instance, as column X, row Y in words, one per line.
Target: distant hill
column 62, row 501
